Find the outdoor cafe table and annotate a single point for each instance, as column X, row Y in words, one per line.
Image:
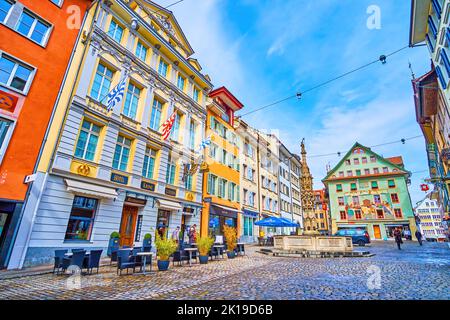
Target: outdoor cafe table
column 190, row 250
column 144, row 256
column 217, row 247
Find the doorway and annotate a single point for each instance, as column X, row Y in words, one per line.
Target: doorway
column 128, row 225
column 377, row 231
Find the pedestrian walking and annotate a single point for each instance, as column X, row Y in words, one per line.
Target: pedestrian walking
column 193, row 234
column 176, row 234
column 398, row 238
column 419, row 236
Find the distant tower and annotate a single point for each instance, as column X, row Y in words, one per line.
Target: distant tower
column 307, row 195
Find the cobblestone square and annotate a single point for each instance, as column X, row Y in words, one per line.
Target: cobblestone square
column 412, row 273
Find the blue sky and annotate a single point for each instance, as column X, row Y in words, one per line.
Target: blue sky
column 264, row 50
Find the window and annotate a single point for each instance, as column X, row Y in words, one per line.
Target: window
column 347, row 162
column 181, row 82
column 355, row 200
column 212, row 181
column 364, row 160
column 353, row 186
column 115, row 31
column 376, row 170
column 57, row 2
column 385, row 170
column 349, row 173
column 222, row 187
column 366, row 172
column 141, row 51
column 196, row 94
column 373, row 159
column 341, row 201
column 14, row 74
column 5, row 7
column 188, row 182
column 192, row 128
column 122, row 153
column 374, row 184
column 398, row 213
column 343, row 215
column 131, row 101
column 358, row 215
column 149, row 163
column 170, row 171
column 341, row 174
column 380, row 214
column 339, row 187
column 163, row 67
column 174, row 134
column 102, row 83
column 5, row 126
column 81, row 219
column 232, row 191
column 87, row 141
column 356, row 161
column 32, row 27
column 155, row 117
column 391, row 183
column 394, row 198
column 377, row 199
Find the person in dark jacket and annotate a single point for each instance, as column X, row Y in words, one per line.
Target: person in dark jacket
column 398, row 237
column 419, row 237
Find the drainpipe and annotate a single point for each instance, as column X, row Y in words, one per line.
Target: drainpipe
column 22, row 259
column 258, row 163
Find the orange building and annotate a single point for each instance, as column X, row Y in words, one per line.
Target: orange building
column 221, row 180
column 36, row 44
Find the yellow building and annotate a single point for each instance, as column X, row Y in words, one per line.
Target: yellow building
column 221, row 180
column 105, row 168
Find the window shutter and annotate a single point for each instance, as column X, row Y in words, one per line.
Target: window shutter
column 446, row 61
column 441, row 77
column 432, row 26
column 437, row 8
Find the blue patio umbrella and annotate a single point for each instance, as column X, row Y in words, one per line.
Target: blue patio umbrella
column 275, row 222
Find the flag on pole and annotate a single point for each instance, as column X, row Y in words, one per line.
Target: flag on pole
column 204, row 144
column 116, row 95
column 167, row 126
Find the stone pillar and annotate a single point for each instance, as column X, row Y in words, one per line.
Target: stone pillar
column 88, row 68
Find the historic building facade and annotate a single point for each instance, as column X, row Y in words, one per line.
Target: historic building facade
column 369, row 192
column 321, row 211
column 110, row 170
column 430, row 216
column 250, row 188
column 430, row 24
column 221, row 180
column 35, row 50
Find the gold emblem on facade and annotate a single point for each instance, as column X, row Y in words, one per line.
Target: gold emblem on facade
column 84, row 170
column 189, row 196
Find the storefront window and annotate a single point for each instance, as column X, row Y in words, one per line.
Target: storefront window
column 248, row 226
column 81, row 219
column 163, row 222
column 217, row 222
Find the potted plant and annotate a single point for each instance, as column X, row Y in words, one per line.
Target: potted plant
column 113, row 242
column 231, row 240
column 164, row 249
column 204, row 244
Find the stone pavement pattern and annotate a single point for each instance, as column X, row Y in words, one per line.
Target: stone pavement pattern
column 413, row 273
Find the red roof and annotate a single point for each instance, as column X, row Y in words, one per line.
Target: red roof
column 227, row 97
column 396, row 160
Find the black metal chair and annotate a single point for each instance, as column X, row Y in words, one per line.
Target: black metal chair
column 240, row 249
column 114, row 255
column 93, row 261
column 76, row 259
column 59, row 259
column 180, row 255
column 147, row 248
column 125, row 261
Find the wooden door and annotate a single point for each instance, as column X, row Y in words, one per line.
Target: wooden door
column 377, row 232
column 128, row 225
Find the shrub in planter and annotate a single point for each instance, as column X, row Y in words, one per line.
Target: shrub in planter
column 164, row 249
column 230, row 234
column 204, row 244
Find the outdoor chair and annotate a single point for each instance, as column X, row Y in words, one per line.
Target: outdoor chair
column 76, row 259
column 125, row 261
column 59, row 258
column 93, row 261
column 240, row 249
column 147, row 248
column 114, row 255
column 180, row 255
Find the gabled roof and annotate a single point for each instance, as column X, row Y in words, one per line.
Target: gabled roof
column 369, row 151
column 396, row 160
column 156, row 8
column 227, row 97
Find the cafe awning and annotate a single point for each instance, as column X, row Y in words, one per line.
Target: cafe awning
column 223, row 211
column 90, row 190
column 168, row 205
column 276, row 222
